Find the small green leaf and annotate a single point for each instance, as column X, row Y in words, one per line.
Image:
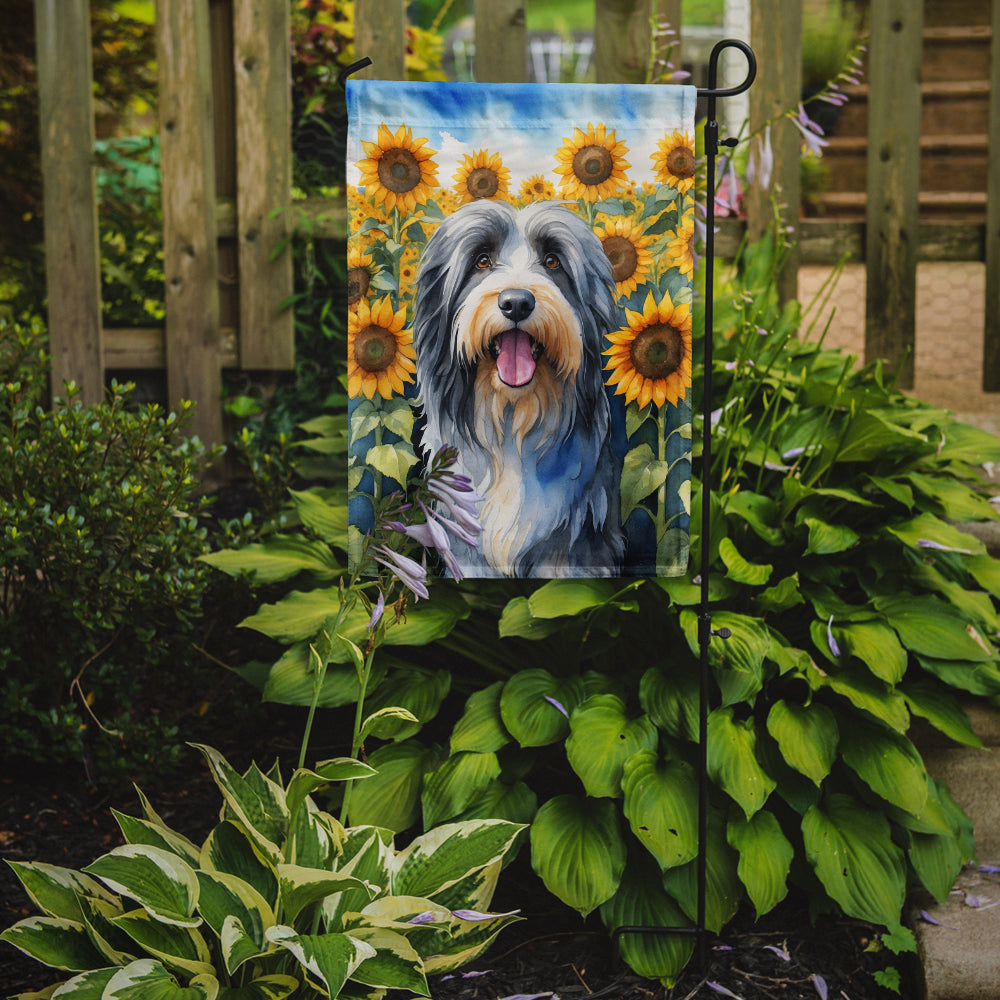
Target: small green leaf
column 807, row 736
column 765, row 858
column 559, row 598
column 738, row 569
column 828, row 539
column 601, row 740
column 732, row 760
column 642, row 475
column 577, row 850
column 393, row 461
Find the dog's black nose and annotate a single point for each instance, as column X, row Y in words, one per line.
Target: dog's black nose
column 516, row 303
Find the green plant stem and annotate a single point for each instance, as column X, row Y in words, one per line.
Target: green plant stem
column 356, row 737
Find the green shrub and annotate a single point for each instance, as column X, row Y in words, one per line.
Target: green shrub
column 279, row 900
column 99, row 542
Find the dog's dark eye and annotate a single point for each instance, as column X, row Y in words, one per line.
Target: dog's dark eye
column 551, row 261
column 483, row 261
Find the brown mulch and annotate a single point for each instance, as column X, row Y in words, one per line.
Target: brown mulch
column 550, row 953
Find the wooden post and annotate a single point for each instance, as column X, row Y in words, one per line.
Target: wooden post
column 622, row 40
column 190, row 253
column 776, row 34
column 261, row 57
column 380, row 34
column 991, row 332
column 893, row 183
column 72, row 255
column 501, row 41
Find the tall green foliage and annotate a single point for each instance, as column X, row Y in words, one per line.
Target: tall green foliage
column 854, row 602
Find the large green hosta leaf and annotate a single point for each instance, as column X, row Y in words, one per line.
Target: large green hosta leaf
column 765, row 858
column 940, row 707
column 932, row 628
column 876, row 645
column 851, row 850
column 601, row 739
column 807, row 736
column 535, row 706
column 578, row 851
column 888, row 763
column 641, row 901
column 671, row 700
column 661, row 806
column 391, row 798
column 278, row 558
column 738, row 661
column 732, row 760
column 456, row 784
column 481, row 728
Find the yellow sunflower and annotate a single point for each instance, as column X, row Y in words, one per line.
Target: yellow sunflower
column 537, row 188
column 592, row 164
column 408, row 268
column 481, row 175
column 674, row 161
column 380, row 352
column 359, row 274
column 681, row 245
column 398, row 171
column 626, row 247
column 650, row 359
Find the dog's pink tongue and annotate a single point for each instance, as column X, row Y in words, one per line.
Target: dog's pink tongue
column 515, row 364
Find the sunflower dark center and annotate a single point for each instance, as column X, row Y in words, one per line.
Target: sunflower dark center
column 622, row 254
column 358, row 280
column 374, row 348
column 538, row 187
column 657, row 351
column 593, row 165
column 398, row 170
column 680, row 162
column 483, row 182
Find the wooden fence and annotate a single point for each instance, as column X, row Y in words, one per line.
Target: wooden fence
column 226, row 161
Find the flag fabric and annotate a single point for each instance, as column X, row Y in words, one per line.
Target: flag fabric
column 520, row 281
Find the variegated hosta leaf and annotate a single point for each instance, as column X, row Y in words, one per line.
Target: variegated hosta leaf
column 395, row 964
column 98, row 915
column 141, row 831
column 366, row 855
column 177, row 947
column 467, row 940
column 516, row 803
column 765, row 858
column 54, row 941
column 86, row 986
column 301, row 887
column 578, row 851
column 807, row 736
column 456, row 784
column 149, row 980
column 230, row 849
column 225, row 897
column 481, row 727
column 850, row 847
column 256, row 801
column 329, row 959
column 315, row 838
column 642, row 902
column 441, row 857
column 602, row 737
column 56, row 891
column 274, row 987
column 661, row 805
column 475, row 891
column 732, row 760
column 304, row 782
column 723, row 889
column 158, row 880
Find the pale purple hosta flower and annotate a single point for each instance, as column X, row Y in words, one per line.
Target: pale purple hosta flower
column 760, row 164
column 431, row 535
column 820, row 983
column 456, row 493
column 427, row 917
column 557, row 704
column 928, row 543
column 834, row 648
column 377, row 612
column 719, row 988
column 780, row 952
column 410, row 573
column 811, row 132
column 475, row 915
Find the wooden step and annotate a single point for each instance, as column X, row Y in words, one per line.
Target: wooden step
column 947, row 162
column 957, row 206
column 947, row 106
column 956, row 53
column 944, row 12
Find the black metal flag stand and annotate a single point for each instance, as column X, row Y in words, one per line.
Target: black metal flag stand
column 705, row 631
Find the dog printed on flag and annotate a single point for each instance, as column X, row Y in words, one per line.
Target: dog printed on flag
column 520, row 269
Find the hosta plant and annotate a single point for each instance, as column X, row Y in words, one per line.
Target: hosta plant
column 279, row 900
column 855, row 604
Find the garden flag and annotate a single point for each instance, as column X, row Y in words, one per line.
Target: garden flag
column 520, row 264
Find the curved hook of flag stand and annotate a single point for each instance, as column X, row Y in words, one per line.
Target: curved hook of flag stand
column 705, row 631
